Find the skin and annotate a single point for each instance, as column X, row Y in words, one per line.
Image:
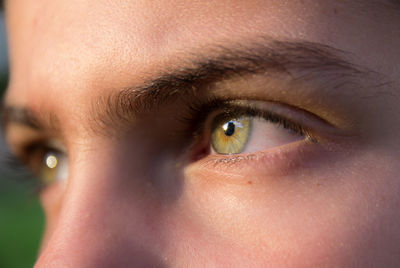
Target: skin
column 133, row 198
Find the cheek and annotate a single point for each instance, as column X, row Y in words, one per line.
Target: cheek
column 326, row 216
column 331, row 213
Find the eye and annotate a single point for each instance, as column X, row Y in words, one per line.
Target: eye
column 53, row 168
column 232, row 134
column 48, row 165
column 229, row 127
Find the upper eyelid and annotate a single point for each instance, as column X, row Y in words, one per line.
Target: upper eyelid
column 248, row 110
column 249, row 107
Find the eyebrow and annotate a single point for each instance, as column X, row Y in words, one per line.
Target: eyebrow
column 25, row 116
column 298, row 59
column 19, row 115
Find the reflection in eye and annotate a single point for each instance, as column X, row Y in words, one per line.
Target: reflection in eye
column 246, row 134
column 53, row 167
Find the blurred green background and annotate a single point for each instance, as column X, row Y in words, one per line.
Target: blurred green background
column 20, row 224
column 21, row 218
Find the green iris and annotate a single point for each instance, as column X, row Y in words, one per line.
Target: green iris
column 230, row 135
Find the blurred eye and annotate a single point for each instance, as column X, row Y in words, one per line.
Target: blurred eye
column 48, row 165
column 53, row 167
column 232, row 134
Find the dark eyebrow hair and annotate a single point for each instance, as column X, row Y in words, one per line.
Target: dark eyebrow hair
column 10, row 114
column 19, row 115
column 298, row 59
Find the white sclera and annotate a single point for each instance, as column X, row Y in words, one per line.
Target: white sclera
column 265, row 135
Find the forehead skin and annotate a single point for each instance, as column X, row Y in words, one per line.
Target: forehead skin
column 70, row 52
column 76, row 42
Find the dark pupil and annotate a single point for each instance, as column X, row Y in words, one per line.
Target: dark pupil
column 230, row 130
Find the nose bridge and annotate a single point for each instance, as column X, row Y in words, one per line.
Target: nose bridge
column 103, row 221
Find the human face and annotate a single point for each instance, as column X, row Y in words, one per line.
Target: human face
column 210, row 133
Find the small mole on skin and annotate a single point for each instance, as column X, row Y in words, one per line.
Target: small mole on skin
column 335, row 11
column 250, row 182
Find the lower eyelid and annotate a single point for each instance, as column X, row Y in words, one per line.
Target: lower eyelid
column 279, row 161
